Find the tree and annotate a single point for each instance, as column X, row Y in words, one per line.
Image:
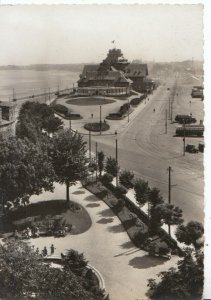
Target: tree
column 183, row 283
column 100, row 161
column 155, row 197
column 165, row 213
column 24, row 275
column 75, row 262
column 111, row 166
column 34, row 117
column 126, row 179
column 190, row 233
column 25, row 170
column 68, row 154
column 141, row 191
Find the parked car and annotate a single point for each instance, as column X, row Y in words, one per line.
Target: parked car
column 201, row 147
column 191, row 149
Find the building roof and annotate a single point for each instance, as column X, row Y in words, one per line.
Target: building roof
column 114, row 75
column 136, row 70
column 6, row 104
column 90, row 68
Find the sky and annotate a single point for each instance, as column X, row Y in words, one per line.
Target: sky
column 83, row 33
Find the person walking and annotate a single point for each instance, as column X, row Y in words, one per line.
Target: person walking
column 45, row 251
column 52, row 249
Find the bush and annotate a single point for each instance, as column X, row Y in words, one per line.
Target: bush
column 61, row 109
column 126, row 178
column 96, row 126
column 107, row 178
column 135, row 101
column 141, row 236
column 111, row 166
column 124, row 108
column 141, row 191
column 120, row 191
column 163, row 250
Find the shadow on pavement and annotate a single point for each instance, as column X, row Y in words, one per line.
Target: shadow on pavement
column 116, row 228
column 105, row 220
column 106, row 213
column 128, row 252
column 144, row 262
column 127, row 245
column 91, row 198
column 78, row 192
column 93, row 205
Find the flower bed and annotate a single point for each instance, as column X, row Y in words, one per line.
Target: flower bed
column 96, row 127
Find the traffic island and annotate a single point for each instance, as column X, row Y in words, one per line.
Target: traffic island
column 97, row 127
column 46, row 218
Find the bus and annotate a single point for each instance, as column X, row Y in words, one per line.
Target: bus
column 190, row 130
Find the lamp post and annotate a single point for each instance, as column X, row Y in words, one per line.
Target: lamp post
column 100, row 119
column 117, row 162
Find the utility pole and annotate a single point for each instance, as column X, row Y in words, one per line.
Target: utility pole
column 169, row 193
column 169, row 108
column 184, row 139
column 70, row 123
column 128, row 110
column 100, row 119
column 166, row 122
column 96, row 158
column 90, row 144
column 117, row 162
column 49, row 95
column 13, row 94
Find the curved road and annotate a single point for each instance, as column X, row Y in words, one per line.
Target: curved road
column 145, row 148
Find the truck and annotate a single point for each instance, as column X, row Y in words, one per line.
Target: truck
column 190, row 130
column 185, row 119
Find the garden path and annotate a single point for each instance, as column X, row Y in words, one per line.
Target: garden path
column 107, row 247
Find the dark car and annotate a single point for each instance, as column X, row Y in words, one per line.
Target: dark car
column 191, row 149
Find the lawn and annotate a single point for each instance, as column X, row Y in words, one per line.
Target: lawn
column 87, row 101
column 43, row 213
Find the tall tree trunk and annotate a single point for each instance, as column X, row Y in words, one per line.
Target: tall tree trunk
column 67, row 192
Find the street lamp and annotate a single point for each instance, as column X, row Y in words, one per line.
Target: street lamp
column 190, row 108
column 100, row 119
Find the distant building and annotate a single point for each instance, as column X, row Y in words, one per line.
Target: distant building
column 7, row 117
column 114, row 76
column 137, row 73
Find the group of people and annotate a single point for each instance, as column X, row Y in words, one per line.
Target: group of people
column 44, row 252
column 27, row 233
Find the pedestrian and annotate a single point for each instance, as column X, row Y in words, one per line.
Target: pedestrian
column 52, row 249
column 92, row 116
column 45, row 251
column 37, row 251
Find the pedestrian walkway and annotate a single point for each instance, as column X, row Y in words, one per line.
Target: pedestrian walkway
column 124, row 267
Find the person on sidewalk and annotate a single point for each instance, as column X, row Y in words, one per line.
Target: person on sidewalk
column 52, row 249
column 45, row 251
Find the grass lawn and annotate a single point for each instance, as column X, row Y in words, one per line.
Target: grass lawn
column 87, row 101
column 42, row 213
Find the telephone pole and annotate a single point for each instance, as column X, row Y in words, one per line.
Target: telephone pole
column 90, row 144
column 184, row 139
column 128, row 111
column 96, row 158
column 169, row 108
column 169, row 192
column 117, row 162
column 100, row 119
column 166, row 122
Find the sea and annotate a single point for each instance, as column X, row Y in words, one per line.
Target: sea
column 32, row 82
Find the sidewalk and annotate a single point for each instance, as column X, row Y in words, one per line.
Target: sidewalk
column 107, row 247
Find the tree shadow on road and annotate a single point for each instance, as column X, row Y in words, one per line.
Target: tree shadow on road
column 105, row 220
column 106, row 213
column 91, row 198
column 127, row 245
column 116, row 228
column 93, row 205
column 144, row 262
column 78, row 193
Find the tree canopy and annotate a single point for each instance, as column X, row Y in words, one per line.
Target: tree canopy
column 190, row 233
column 182, row 283
column 141, row 191
column 68, row 153
column 25, row 170
column 111, row 166
column 34, row 117
column 24, row 275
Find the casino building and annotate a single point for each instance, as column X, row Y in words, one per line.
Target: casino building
column 114, row 76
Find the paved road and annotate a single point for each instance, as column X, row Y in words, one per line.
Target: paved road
column 145, row 148
column 107, row 247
